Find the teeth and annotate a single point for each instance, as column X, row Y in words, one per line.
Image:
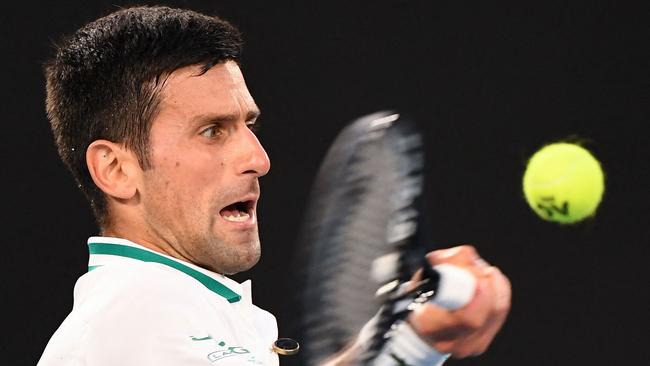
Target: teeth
column 239, row 217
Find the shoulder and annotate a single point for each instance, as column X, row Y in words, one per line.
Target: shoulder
column 139, row 295
column 142, row 279
column 132, row 314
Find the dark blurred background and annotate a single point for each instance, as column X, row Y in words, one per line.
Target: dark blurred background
column 488, row 82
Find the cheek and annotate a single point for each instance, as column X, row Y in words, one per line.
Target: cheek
column 172, row 201
column 188, row 179
column 193, row 184
column 187, row 172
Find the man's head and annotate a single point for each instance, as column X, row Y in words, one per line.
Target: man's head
column 105, row 80
column 151, row 114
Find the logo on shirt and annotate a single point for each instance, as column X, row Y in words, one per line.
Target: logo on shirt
column 227, row 351
column 224, row 350
column 200, row 338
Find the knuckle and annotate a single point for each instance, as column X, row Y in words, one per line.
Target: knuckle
column 464, row 255
column 503, row 293
column 468, row 250
column 502, row 308
column 501, row 276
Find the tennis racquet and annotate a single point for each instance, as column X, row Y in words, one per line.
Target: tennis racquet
column 363, row 236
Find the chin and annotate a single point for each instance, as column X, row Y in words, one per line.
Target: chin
column 243, row 261
column 239, row 267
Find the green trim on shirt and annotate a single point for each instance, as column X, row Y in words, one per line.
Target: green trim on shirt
column 147, row 256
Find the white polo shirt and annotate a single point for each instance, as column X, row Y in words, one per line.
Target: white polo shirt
column 139, row 307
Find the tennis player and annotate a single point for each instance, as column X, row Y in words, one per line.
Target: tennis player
column 151, row 114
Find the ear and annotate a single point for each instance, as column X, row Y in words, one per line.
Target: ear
column 114, row 169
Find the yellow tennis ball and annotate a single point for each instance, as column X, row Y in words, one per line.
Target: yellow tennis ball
column 563, row 183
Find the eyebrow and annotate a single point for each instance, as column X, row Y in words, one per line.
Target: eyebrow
column 226, row 117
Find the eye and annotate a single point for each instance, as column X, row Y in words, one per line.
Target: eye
column 253, row 125
column 211, row 132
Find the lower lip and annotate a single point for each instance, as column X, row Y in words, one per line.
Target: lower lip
column 249, row 223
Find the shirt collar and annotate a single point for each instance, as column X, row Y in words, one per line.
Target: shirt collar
column 104, row 250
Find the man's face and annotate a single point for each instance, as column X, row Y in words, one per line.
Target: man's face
column 199, row 198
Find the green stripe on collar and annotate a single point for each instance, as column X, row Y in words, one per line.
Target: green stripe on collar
column 147, row 256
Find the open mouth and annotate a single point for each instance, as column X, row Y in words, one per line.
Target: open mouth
column 237, row 212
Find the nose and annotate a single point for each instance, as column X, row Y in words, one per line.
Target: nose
column 253, row 158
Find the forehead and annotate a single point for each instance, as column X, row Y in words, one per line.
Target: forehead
column 221, row 88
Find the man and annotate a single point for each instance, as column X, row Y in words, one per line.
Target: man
column 151, row 114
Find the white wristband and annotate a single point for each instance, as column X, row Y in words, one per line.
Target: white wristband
column 405, row 347
column 456, row 287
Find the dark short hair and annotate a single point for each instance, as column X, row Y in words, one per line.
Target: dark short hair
column 104, row 81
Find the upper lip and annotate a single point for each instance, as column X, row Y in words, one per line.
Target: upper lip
column 249, row 199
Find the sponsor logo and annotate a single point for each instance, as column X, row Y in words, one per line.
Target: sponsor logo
column 226, row 352
column 200, row 339
column 551, row 207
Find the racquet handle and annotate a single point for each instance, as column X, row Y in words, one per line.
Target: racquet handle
column 444, row 285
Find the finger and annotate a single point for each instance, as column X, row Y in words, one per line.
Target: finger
column 481, row 263
column 417, row 277
column 437, row 327
column 463, row 255
column 476, row 343
column 445, row 332
column 502, row 290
